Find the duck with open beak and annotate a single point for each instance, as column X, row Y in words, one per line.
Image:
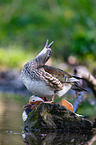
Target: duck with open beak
column 47, row 81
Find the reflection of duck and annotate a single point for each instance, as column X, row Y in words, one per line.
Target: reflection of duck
column 34, row 101
column 47, row 81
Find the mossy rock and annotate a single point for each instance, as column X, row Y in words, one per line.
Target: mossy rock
column 52, row 117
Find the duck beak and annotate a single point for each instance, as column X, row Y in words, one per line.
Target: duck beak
column 35, row 104
column 46, row 43
column 49, row 44
column 28, row 105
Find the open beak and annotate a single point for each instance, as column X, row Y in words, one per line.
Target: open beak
column 49, row 44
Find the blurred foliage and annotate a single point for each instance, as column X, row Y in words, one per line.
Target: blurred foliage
column 15, row 57
column 87, row 109
column 70, row 24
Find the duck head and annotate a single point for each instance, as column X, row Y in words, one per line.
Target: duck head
column 45, row 54
column 34, row 101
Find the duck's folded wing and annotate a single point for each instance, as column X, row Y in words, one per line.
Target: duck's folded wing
column 51, row 79
column 56, row 71
column 64, row 77
column 56, row 77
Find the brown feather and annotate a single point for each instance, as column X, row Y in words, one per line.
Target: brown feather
column 56, row 71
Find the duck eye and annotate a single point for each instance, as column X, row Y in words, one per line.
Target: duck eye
column 33, row 100
column 49, row 53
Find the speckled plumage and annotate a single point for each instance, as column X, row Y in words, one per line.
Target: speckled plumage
column 43, row 80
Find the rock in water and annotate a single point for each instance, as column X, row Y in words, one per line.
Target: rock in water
column 53, row 117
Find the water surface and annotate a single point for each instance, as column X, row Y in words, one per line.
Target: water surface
column 11, row 123
column 11, row 108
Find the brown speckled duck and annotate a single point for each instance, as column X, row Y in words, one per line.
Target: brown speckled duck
column 47, row 81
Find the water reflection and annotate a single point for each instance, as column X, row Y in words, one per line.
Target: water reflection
column 58, row 139
column 10, row 120
column 11, row 108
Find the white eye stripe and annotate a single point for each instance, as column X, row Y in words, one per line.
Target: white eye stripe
column 35, row 98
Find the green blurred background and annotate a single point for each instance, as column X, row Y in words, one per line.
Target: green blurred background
column 26, row 24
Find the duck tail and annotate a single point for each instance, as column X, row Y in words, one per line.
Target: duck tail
column 78, row 88
column 79, row 78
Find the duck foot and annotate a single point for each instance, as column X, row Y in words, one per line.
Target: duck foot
column 44, row 98
column 52, row 99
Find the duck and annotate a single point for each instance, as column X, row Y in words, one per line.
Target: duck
column 34, row 101
column 47, row 81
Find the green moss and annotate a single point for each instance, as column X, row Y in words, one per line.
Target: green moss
column 46, row 116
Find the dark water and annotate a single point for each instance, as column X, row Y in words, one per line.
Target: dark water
column 11, row 108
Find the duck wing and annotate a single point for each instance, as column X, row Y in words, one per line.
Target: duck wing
column 56, row 77
column 64, row 77
column 58, row 73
